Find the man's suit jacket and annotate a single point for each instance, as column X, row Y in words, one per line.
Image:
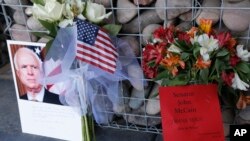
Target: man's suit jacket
column 48, row 98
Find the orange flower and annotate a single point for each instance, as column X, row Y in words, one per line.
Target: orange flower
column 172, row 62
column 206, row 25
column 192, row 31
column 201, row 64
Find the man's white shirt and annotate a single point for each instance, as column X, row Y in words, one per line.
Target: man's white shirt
column 38, row 96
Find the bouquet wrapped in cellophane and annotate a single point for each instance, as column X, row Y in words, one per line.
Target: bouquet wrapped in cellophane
column 84, row 58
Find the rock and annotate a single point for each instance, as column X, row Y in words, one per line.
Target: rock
column 228, row 116
column 237, row 19
column 16, row 3
column 146, row 18
column 239, row 120
column 126, row 11
column 184, row 26
column 138, row 97
column 147, row 32
column 143, row 2
column 138, row 117
column 153, row 102
column 19, row 17
column 213, row 14
column 28, row 11
column 120, row 101
column 126, row 54
column 160, row 6
column 173, row 13
column 226, row 128
column 134, row 44
column 187, row 16
column 105, row 3
column 135, row 74
column 34, row 24
column 233, row 0
column 20, row 33
column 245, row 113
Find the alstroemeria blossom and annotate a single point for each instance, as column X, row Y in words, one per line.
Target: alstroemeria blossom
column 51, row 11
column 174, row 49
column 242, row 54
column 96, row 12
column 208, row 45
column 238, row 83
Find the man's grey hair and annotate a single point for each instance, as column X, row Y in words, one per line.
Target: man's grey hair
column 29, row 51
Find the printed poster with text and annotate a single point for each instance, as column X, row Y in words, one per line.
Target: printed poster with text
column 191, row 113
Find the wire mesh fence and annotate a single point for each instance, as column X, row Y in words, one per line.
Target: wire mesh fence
column 138, row 18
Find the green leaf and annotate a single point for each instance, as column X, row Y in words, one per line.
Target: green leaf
column 218, row 64
column 185, row 56
column 112, row 29
column 222, row 53
column 151, row 63
column 41, row 2
column 180, row 79
column 51, row 26
column 196, row 51
column 42, row 35
column 162, row 75
column 243, row 67
column 204, row 75
column 48, row 45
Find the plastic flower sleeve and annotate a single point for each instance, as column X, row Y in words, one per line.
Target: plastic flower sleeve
column 61, row 67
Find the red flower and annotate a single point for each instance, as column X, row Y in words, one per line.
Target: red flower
column 225, row 39
column 156, row 52
column 166, row 34
column 183, row 36
column 150, row 72
column 227, row 78
column 234, row 60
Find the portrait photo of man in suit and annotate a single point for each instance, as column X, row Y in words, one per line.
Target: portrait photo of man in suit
column 28, row 68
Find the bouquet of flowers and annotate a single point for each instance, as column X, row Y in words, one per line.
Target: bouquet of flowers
column 199, row 55
column 58, row 16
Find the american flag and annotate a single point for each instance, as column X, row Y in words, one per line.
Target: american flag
column 94, row 47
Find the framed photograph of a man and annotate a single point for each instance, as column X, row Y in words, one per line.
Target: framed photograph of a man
column 40, row 109
column 27, row 62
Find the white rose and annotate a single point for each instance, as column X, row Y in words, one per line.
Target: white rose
column 96, row 12
column 51, row 11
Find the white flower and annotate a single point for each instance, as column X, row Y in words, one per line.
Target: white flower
column 208, row 45
column 74, row 8
column 238, row 83
column 242, row 54
column 174, row 49
column 204, row 53
column 64, row 23
column 96, row 12
column 51, row 11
